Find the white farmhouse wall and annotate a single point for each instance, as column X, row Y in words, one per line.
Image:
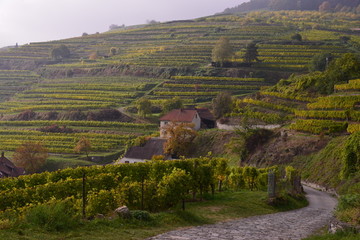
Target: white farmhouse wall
column 197, row 122
column 131, row 160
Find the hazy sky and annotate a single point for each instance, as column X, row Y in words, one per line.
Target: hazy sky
column 24, row 21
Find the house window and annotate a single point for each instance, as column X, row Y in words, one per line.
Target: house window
column 127, row 162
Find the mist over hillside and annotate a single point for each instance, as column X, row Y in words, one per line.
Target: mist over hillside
column 321, row 5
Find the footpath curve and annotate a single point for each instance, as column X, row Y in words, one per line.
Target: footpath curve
column 291, row 225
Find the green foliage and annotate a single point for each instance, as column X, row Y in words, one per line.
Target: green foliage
column 296, row 37
column 349, row 201
column 55, row 216
column 342, row 69
column 172, row 103
column 319, row 126
column 236, row 179
column 221, row 171
column 141, row 215
column 250, row 175
column 222, row 104
column 348, row 209
column 251, row 53
column 351, row 85
column 173, row 187
column 130, row 193
column 341, row 235
column 180, row 137
column 101, row 202
column 247, row 140
column 60, row 52
column 113, row 51
column 144, row 106
column 351, row 156
column 223, row 51
column 320, row 62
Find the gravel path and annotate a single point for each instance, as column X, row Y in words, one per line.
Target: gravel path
column 290, row 225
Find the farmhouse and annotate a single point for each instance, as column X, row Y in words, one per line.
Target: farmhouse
column 153, row 147
column 8, row 169
column 199, row 117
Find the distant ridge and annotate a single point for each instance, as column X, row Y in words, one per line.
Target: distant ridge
column 332, row 5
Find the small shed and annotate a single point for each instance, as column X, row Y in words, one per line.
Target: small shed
column 8, row 169
column 207, row 118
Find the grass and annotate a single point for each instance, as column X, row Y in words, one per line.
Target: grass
column 337, row 236
column 222, row 207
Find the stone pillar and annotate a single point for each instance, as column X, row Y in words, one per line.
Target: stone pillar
column 271, row 185
column 297, row 185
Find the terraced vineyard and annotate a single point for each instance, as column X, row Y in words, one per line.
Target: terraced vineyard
column 182, row 44
column 14, row 81
column 103, row 72
column 86, row 93
column 203, row 89
column 293, row 56
column 342, row 108
column 104, row 136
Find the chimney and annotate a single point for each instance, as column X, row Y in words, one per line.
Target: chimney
column 2, row 154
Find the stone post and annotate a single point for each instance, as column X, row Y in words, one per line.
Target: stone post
column 271, row 185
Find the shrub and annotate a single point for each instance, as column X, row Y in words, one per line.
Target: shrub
column 141, row 215
column 5, row 224
column 26, row 115
column 105, row 115
column 57, row 216
column 349, row 201
column 56, row 129
column 74, row 115
column 102, row 202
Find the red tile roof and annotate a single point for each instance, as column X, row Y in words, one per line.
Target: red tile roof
column 179, row 115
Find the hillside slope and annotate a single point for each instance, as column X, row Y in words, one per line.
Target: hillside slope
column 323, row 5
column 73, row 88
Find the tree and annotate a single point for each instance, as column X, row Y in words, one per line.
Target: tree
column 60, row 52
column 83, row 145
column 174, row 187
column 173, row 103
column 344, row 39
column 296, row 37
column 144, row 106
column 222, row 104
column 94, row 55
column 357, row 9
column 221, row 171
column 223, row 51
column 152, row 22
column 180, row 138
column 283, row 5
column 113, row 51
column 31, row 156
column 325, row 7
column 251, row 53
column 351, row 156
column 320, row 62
